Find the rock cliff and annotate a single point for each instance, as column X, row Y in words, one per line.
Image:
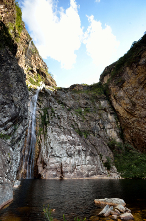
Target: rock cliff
column 125, row 84
column 74, row 127
column 20, row 64
column 13, row 120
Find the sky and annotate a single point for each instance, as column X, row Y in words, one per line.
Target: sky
column 78, row 38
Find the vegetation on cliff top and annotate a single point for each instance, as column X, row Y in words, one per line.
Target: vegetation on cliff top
column 132, row 56
column 93, row 89
column 19, row 25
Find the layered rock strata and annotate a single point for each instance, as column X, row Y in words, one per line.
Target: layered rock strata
column 126, row 88
column 73, row 130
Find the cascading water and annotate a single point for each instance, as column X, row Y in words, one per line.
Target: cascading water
column 28, row 157
column 28, row 47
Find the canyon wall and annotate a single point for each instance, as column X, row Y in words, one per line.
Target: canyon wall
column 20, row 64
column 125, row 84
column 74, row 127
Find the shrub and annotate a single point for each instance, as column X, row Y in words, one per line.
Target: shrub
column 130, row 163
column 19, row 25
column 107, row 164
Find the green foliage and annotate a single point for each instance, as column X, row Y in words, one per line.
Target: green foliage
column 19, row 25
column 4, row 136
column 85, row 133
column 96, row 88
column 78, row 111
column 129, row 162
column 69, row 109
column 79, row 132
column 44, row 117
column 82, row 133
column 36, row 80
column 107, row 164
column 48, row 213
column 86, row 110
column 116, row 146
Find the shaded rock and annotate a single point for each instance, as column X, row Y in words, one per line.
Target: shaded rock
column 120, row 208
column 108, row 211
column 110, row 201
column 126, row 216
column 6, row 194
column 104, row 210
column 115, row 213
column 127, row 210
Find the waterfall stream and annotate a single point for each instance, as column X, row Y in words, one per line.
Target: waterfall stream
column 28, row 157
column 28, row 47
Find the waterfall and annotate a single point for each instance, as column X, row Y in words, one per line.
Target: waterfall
column 28, row 158
column 28, row 47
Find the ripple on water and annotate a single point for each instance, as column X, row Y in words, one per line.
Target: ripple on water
column 73, row 198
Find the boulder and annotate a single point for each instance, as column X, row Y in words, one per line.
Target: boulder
column 120, row 208
column 110, row 201
column 127, row 210
column 104, row 210
column 115, row 213
column 126, row 216
column 114, row 217
column 108, row 211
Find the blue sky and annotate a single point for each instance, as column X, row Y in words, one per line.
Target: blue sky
column 78, row 39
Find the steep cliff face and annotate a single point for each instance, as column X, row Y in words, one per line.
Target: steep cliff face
column 20, row 63
column 13, row 120
column 74, row 127
column 125, row 84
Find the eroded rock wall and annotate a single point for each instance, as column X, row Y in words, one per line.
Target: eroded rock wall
column 73, row 130
column 126, row 89
column 13, row 120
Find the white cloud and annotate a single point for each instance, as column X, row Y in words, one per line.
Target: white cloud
column 97, row 0
column 100, row 43
column 57, row 32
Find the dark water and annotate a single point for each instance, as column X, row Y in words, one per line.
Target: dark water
column 73, row 198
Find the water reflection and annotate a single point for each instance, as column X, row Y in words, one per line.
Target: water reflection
column 73, row 198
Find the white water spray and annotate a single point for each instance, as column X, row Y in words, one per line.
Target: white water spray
column 28, row 160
